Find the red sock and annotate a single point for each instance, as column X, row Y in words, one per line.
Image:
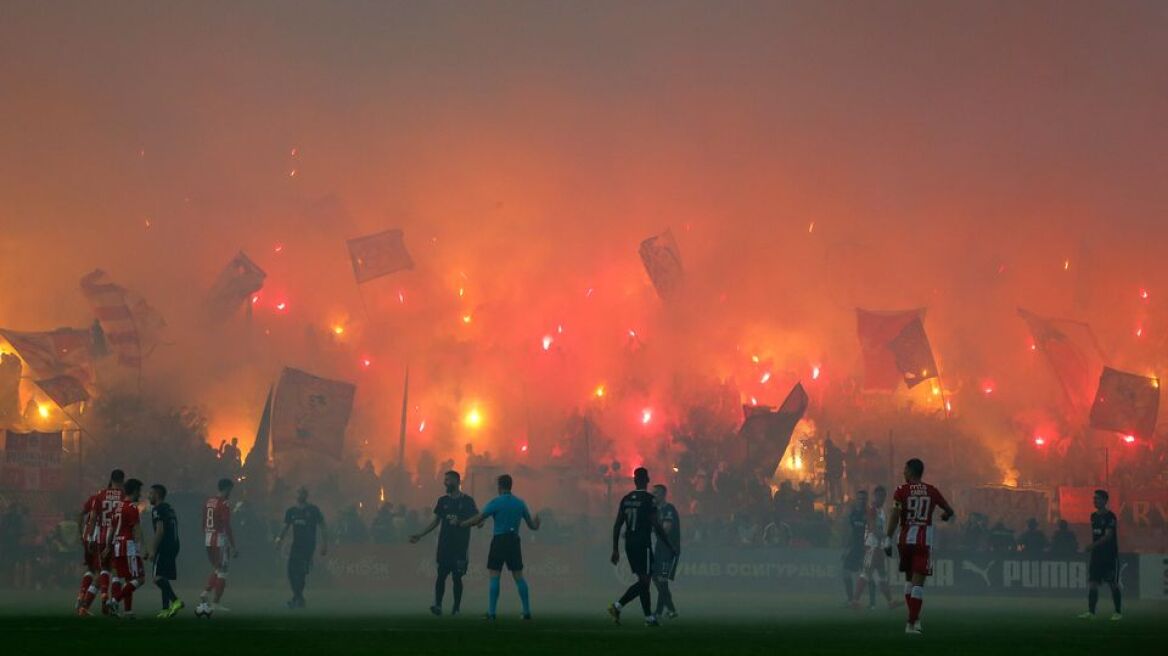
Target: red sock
column 88, row 596
column 116, row 589
column 915, row 601
column 86, row 581
column 212, row 582
column 103, row 583
column 220, row 588
column 128, row 597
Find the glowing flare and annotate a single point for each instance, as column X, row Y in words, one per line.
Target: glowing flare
column 381, row 495
column 754, row 359
column 599, row 391
column 422, row 426
column 765, row 378
column 1130, row 439
column 148, row 224
column 466, row 318
column 811, row 228
column 338, row 329
column 1067, row 264
column 547, row 342
column 948, row 406
column 1143, row 294
column 1139, row 331
column 675, row 470
column 278, row 248
column 401, row 297
column 1156, row 383
column 366, row 362
column 1039, row 441
column 292, row 173
column 461, row 291
column 281, row 306
column 43, row 410
column 473, row 419
column 936, row 389
column 815, row 372
column 255, row 299
column 646, row 416
column 523, row 448
column 753, row 401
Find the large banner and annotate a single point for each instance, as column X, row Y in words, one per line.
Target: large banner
column 568, row 571
column 32, row 462
column 310, row 413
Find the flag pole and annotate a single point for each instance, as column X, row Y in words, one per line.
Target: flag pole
column 401, row 445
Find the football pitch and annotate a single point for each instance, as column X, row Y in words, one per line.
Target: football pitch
column 340, row 625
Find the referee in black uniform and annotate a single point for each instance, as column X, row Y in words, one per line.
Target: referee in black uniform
column 303, row 519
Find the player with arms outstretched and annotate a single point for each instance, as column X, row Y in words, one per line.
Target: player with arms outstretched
column 508, row 511
column 124, row 542
column 637, row 514
column 95, row 520
column 913, row 504
column 220, row 543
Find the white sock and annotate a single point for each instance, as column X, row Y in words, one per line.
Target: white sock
column 616, row 605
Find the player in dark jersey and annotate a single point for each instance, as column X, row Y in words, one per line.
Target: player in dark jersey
column 665, row 559
column 1104, row 563
column 853, row 559
column 637, row 513
column 452, row 509
column 164, row 549
column 303, row 518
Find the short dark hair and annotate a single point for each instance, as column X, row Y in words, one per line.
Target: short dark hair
column 879, row 488
column 226, row 484
column 916, row 467
column 1104, row 494
column 117, row 476
column 661, row 487
column 133, row 486
column 160, row 489
column 640, row 474
column 505, row 482
column 456, row 475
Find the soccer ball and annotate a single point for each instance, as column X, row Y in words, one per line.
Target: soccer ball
column 203, row 611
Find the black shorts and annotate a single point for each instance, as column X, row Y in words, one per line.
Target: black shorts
column 166, row 564
column 664, row 564
column 299, row 562
column 1103, row 569
column 453, row 564
column 505, row 551
column 640, row 555
column 854, row 559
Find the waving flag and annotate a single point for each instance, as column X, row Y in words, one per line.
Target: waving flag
column 767, row 432
column 1073, row 353
column 9, row 389
column 662, row 260
column 309, row 412
column 379, row 255
column 895, row 349
column 63, row 390
column 61, row 352
column 132, row 328
column 234, row 287
column 1126, row 403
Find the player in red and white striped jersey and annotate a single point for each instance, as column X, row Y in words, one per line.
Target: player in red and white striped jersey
column 96, row 518
column 125, row 541
column 913, row 504
column 220, row 541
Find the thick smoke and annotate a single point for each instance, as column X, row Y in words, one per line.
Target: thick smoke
column 810, row 158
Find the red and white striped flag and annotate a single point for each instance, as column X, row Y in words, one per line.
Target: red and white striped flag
column 130, row 325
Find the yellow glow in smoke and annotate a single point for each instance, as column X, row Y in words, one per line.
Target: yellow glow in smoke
column 43, row 410
column 599, row 391
column 473, row 419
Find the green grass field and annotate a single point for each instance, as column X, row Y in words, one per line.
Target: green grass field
column 340, row 625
